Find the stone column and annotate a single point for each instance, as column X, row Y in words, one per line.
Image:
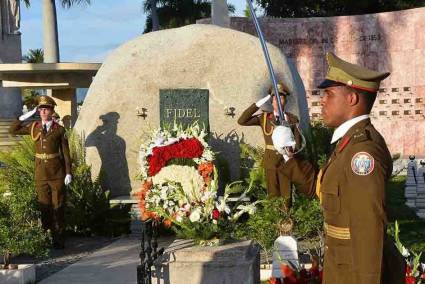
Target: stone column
column 50, row 32
column 66, row 100
column 220, row 13
column 411, row 182
column 420, row 199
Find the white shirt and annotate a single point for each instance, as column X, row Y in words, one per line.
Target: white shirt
column 48, row 124
column 341, row 130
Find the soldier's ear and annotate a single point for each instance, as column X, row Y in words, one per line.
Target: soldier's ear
column 353, row 98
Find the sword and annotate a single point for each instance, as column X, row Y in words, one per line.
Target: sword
column 268, row 61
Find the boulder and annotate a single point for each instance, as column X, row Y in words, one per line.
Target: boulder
column 230, row 64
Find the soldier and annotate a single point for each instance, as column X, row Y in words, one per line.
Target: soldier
column 277, row 183
column 351, row 185
column 52, row 165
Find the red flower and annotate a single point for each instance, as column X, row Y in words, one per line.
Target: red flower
column 215, row 214
column 408, row 270
column 423, row 276
column 410, row 280
column 186, row 149
column 272, row 281
column 286, row 270
column 167, row 223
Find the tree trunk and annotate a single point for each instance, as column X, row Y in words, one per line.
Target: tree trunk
column 6, row 259
column 154, row 16
column 50, row 32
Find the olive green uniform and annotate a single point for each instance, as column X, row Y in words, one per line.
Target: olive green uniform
column 52, row 163
column 277, row 183
column 351, row 187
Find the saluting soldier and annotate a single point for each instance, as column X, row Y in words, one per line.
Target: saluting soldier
column 52, row 165
column 351, row 185
column 277, row 183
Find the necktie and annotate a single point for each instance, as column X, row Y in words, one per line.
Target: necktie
column 44, row 128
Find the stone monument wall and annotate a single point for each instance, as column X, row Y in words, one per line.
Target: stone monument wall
column 10, row 52
column 393, row 41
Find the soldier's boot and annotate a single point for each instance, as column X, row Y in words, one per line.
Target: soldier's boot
column 46, row 216
column 58, row 228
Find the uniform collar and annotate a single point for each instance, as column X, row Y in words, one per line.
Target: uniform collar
column 48, row 124
column 341, row 130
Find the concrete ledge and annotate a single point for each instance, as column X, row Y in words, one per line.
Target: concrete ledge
column 25, row 274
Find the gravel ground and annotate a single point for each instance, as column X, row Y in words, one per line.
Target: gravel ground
column 75, row 249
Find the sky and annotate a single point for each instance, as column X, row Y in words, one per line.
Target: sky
column 88, row 33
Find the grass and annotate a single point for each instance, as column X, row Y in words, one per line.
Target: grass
column 412, row 228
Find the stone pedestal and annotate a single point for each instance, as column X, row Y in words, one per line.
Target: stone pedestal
column 186, row 263
column 411, row 183
column 286, row 250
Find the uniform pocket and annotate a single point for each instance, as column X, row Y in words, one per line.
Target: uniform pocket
column 331, row 201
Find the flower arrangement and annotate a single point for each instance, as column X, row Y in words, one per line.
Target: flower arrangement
column 415, row 270
column 180, row 183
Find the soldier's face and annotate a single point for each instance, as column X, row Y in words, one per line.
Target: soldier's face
column 45, row 113
column 334, row 106
column 275, row 104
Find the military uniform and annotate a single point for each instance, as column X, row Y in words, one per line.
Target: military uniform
column 277, row 183
column 52, row 163
column 351, row 188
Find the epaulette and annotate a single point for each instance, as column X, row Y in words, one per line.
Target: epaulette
column 360, row 136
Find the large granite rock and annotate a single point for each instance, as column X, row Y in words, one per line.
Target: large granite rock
column 230, row 64
column 185, row 263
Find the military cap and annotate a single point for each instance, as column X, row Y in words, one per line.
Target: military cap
column 281, row 88
column 46, row 101
column 341, row 73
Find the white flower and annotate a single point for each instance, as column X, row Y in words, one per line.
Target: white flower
column 405, row 252
column 179, row 216
column 187, row 176
column 195, row 216
column 7, row 194
column 214, row 222
column 222, row 206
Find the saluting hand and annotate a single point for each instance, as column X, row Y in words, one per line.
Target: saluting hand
column 262, row 101
column 28, row 114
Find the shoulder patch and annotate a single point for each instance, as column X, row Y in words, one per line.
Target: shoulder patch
column 362, row 163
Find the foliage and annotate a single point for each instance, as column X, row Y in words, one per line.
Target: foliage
column 412, row 228
column 34, row 56
column 308, row 217
column 20, row 231
column 308, row 8
column 415, row 270
column 177, row 13
column 264, row 225
column 318, row 144
column 87, row 206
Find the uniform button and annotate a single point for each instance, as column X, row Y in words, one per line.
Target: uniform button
column 45, row 161
column 44, row 147
column 44, row 140
column 326, row 247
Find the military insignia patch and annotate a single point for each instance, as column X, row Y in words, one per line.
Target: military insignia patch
column 362, row 163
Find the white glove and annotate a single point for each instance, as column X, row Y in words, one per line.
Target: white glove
column 68, row 179
column 263, row 100
column 282, row 138
column 28, row 114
